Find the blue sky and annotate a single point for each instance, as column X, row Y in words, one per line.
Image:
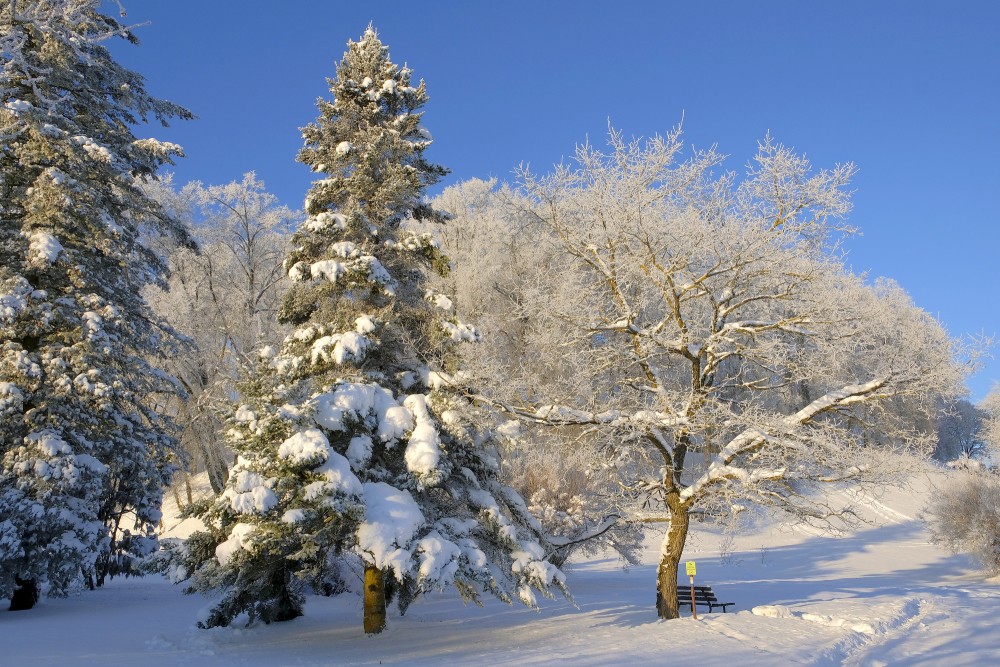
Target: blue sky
column 908, row 90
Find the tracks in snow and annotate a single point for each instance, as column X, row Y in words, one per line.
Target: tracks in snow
column 864, row 642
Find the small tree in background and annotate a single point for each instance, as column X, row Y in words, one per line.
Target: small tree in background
column 350, row 442
column 991, row 426
column 961, row 431
column 83, row 457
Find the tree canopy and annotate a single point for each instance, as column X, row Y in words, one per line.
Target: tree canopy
column 84, row 453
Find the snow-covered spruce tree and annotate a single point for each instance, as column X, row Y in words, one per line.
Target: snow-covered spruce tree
column 351, row 441
column 84, row 457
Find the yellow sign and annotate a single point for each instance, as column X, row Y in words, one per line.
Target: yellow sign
column 690, row 568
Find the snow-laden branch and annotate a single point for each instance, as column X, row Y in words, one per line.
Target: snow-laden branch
column 852, row 393
column 561, row 415
column 721, row 467
column 559, row 541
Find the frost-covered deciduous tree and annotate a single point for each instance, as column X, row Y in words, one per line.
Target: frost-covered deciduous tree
column 224, row 297
column 705, row 325
column 350, row 441
column 991, row 426
column 84, row 457
column 502, row 263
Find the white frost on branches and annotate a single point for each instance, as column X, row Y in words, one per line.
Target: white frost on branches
column 43, row 248
column 701, row 333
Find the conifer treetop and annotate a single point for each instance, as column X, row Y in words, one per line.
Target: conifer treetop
column 370, row 142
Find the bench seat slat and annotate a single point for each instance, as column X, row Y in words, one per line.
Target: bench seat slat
column 703, row 595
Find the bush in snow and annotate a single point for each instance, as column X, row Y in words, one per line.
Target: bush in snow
column 352, row 440
column 568, row 490
column 83, row 457
column 964, row 516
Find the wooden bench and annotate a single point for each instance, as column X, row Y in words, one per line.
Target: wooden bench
column 703, row 595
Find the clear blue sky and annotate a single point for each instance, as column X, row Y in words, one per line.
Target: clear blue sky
column 909, row 90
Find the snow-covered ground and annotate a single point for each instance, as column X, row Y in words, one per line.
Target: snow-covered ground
column 877, row 596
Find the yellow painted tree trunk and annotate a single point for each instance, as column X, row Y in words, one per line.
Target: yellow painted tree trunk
column 374, row 599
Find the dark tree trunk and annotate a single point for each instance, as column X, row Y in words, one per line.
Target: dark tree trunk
column 666, row 574
column 217, row 469
column 287, row 607
column 25, row 595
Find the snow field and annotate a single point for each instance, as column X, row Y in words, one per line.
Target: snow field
column 880, row 595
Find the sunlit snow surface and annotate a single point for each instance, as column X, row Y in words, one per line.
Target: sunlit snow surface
column 878, row 596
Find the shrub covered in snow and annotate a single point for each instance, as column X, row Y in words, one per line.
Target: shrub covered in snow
column 964, row 516
column 571, row 493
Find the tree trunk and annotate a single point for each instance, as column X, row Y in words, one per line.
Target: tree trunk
column 374, row 599
column 216, row 467
column 673, row 547
column 286, row 606
column 25, row 595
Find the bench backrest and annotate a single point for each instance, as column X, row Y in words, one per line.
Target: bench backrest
column 703, row 593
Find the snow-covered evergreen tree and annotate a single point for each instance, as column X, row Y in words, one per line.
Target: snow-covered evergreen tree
column 352, row 441
column 84, row 456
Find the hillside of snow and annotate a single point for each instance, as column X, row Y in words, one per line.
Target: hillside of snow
column 879, row 595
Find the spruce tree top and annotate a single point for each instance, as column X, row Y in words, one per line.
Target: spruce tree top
column 370, row 145
column 369, row 140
